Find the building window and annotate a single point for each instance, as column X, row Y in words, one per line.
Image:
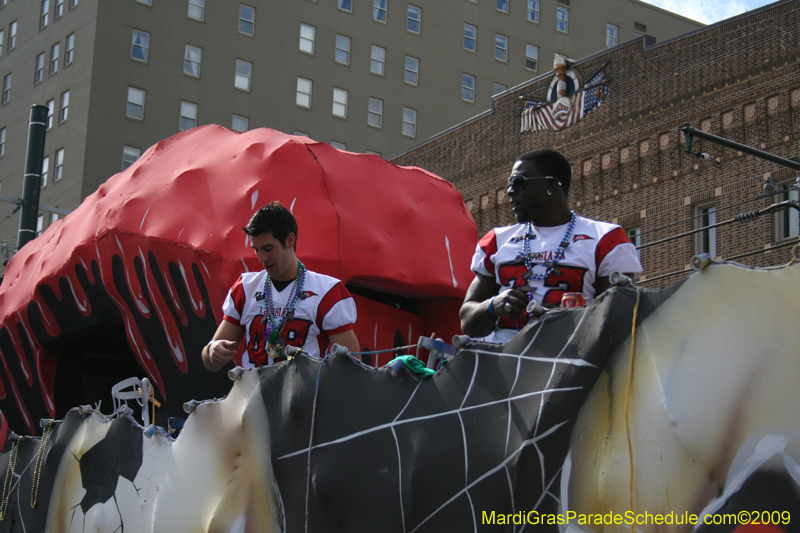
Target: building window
column 197, row 9
column 45, row 17
column 470, row 37
column 2, row 41
column 533, row 10
column 7, row 88
column 375, row 113
column 339, row 103
column 244, row 72
column 59, row 9
column 500, row 47
column 531, row 57
column 247, row 19
column 59, row 165
column 70, row 55
column 38, row 74
column 339, row 145
column 51, row 109
column 191, row 60
column 45, row 170
column 786, row 220
column 307, row 34
column 635, row 235
column 377, row 60
column 343, row 49
column 301, row 134
column 409, row 122
column 145, row 2
column 129, row 156
column 414, row 19
column 2, row 142
column 346, row 5
column 498, row 88
column 55, row 52
column 39, row 224
column 12, row 35
column 639, row 29
column 188, row 116
column 64, row 107
column 468, row 87
column 240, row 123
column 135, row 107
column 502, row 5
column 140, row 45
column 73, row 3
column 303, row 98
column 53, row 217
column 706, row 240
column 379, row 10
column 611, row 35
column 562, row 19
column 412, row 70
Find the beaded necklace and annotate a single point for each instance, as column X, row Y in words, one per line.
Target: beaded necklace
column 559, row 255
column 275, row 344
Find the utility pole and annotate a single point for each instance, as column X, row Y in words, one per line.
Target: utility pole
column 32, row 180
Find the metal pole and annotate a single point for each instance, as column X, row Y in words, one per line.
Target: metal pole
column 32, row 180
column 687, row 129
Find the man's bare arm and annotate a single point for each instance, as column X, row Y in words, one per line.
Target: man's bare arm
column 222, row 347
column 604, row 283
column 347, row 339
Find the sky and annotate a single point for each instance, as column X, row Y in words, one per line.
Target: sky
column 709, row 11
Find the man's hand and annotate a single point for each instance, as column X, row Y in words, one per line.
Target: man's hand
column 511, row 303
column 222, row 348
column 221, row 351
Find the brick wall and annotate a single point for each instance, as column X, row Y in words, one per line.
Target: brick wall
column 739, row 79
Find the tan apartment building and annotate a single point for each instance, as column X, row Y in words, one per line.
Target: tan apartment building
column 363, row 75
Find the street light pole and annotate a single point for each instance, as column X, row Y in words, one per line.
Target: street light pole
column 32, row 180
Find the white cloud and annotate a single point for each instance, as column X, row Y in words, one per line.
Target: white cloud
column 706, row 11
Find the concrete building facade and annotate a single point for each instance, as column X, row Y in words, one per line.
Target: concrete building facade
column 738, row 79
column 365, row 75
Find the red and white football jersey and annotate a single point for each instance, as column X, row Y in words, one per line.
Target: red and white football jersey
column 323, row 306
column 596, row 250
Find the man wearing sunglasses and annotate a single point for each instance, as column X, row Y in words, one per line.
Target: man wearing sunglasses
column 550, row 251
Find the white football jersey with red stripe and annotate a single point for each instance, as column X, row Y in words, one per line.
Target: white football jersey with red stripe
column 596, row 250
column 323, row 306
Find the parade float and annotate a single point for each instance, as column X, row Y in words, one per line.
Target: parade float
column 679, row 403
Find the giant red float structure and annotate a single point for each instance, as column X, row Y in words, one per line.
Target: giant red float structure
column 134, row 279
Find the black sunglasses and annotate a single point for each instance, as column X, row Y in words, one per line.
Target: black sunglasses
column 517, row 182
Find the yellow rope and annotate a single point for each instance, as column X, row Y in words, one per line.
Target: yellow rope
column 9, row 481
column 152, row 399
column 628, row 402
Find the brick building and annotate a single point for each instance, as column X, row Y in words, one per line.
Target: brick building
column 739, row 79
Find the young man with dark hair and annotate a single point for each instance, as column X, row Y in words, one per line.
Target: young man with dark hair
column 283, row 305
column 550, row 251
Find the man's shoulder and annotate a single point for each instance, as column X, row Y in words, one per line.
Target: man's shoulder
column 321, row 280
column 496, row 238
column 597, row 227
column 504, row 233
column 247, row 279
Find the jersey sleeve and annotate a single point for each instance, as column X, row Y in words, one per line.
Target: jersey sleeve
column 616, row 252
column 482, row 260
column 337, row 311
column 233, row 307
